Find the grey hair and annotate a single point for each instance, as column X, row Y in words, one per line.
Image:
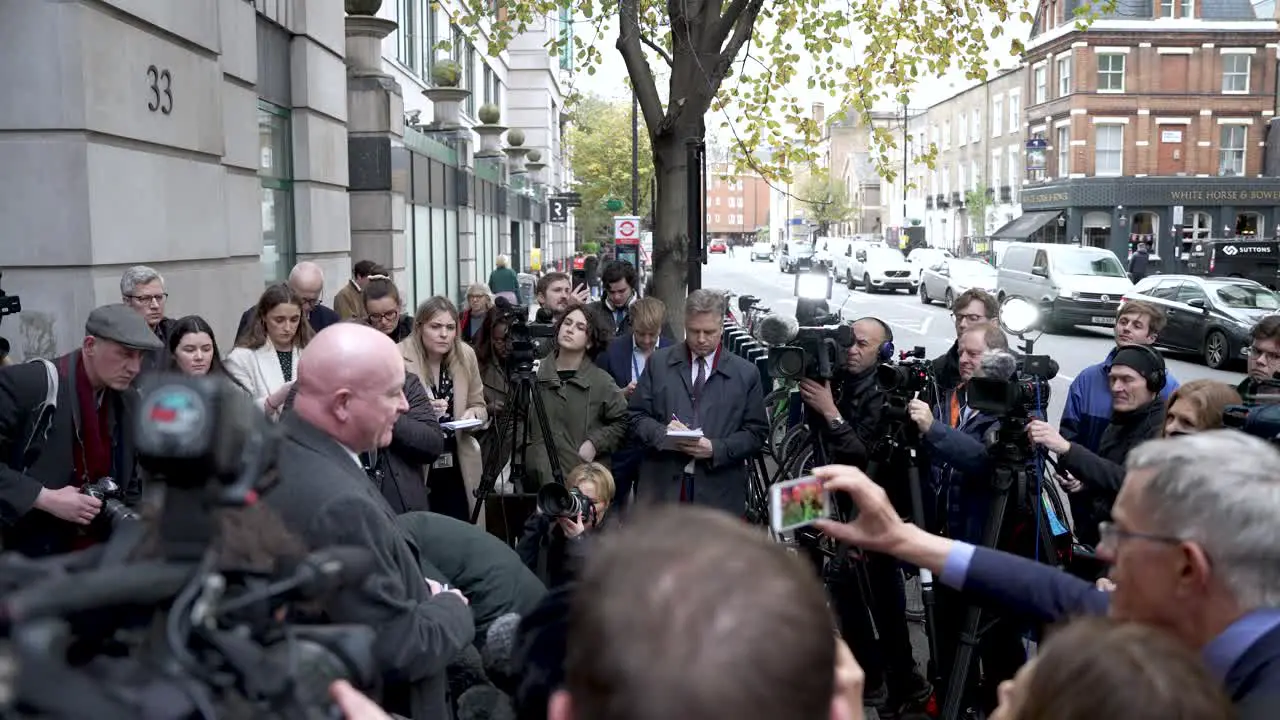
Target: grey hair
column 138, row 275
column 502, row 261
column 705, row 301
column 1221, row 489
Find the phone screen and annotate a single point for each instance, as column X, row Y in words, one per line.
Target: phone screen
column 797, row 503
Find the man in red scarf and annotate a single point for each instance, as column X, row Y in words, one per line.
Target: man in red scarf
column 66, row 423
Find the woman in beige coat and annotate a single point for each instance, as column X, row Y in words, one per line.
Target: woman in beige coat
column 448, row 368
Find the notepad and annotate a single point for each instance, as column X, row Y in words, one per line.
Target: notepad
column 462, row 424
column 694, row 433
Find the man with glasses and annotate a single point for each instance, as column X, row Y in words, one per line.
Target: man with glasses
column 307, row 280
column 142, row 288
column 1192, row 544
column 1264, row 356
column 971, row 308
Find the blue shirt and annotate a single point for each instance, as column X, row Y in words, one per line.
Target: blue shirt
column 1220, row 655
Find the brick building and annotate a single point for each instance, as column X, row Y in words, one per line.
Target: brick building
column 737, row 204
column 1151, row 125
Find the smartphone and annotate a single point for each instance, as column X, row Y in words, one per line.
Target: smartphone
column 797, row 503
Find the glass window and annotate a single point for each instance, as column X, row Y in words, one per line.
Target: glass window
column 408, row 22
column 977, row 124
column 275, row 170
column 1240, row 295
column 566, row 38
column 1041, row 83
column 439, row 240
column 1102, row 264
column 1109, row 146
column 997, row 116
column 1235, row 73
column 973, row 175
column 1064, row 76
column 1064, row 151
column 1164, row 290
column 962, row 130
column 946, row 135
column 451, row 290
column 1111, row 72
column 1188, row 292
column 1014, row 169
column 996, row 162
column 1231, row 150
column 469, row 78
column 1178, row 8
column 427, row 25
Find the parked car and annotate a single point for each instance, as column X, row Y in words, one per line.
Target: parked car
column 1208, row 316
column 717, row 247
column 925, row 257
column 796, row 255
column 1073, row 285
column 879, row 268
column 945, row 280
column 762, row 251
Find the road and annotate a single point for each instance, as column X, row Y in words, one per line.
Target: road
column 931, row 325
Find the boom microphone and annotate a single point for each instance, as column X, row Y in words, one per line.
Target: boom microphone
column 777, row 329
column 999, row 365
column 499, row 650
column 485, row 702
column 136, row 584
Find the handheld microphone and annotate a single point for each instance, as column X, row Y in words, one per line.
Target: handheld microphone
column 317, row 575
column 999, row 365
column 777, row 329
column 499, row 650
column 503, row 304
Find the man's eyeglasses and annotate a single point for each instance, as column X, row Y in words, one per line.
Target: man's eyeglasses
column 1265, row 356
column 1111, row 534
column 388, row 316
column 149, row 299
column 971, row 317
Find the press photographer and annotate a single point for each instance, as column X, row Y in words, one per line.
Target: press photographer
column 963, row 477
column 1137, row 377
column 553, row 541
column 65, row 425
column 851, row 426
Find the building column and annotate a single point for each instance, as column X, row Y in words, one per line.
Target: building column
column 375, row 134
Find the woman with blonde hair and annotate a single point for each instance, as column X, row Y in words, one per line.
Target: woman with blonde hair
column 449, row 370
column 471, row 323
column 1198, row 406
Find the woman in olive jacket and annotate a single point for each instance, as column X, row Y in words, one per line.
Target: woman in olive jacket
column 586, row 410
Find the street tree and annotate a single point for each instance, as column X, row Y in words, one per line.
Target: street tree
column 749, row 56
column 825, row 200
column 601, row 163
column 977, row 204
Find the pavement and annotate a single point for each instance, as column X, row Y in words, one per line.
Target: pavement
column 931, row 326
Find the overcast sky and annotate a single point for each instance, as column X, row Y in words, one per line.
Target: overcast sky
column 606, row 82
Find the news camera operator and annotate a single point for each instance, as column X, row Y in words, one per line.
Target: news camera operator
column 970, row 308
column 66, row 429
column 1137, row 377
column 851, row 417
column 552, row 545
column 955, row 436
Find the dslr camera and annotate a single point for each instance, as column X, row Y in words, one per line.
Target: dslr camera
column 557, row 501
column 111, row 495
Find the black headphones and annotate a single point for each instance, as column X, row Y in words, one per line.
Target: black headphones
column 885, row 353
column 1156, row 378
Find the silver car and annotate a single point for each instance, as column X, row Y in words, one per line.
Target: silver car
column 944, row 280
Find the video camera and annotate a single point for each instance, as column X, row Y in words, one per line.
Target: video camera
column 530, row 341
column 223, row 651
column 1015, row 391
column 911, row 374
column 1260, row 414
column 813, row 343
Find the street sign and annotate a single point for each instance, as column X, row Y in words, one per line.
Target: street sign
column 613, row 205
column 626, row 229
column 557, row 210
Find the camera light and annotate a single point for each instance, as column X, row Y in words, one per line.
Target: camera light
column 1018, row 316
column 813, row 285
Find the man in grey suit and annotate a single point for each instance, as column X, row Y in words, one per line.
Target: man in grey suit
column 697, row 384
column 349, row 394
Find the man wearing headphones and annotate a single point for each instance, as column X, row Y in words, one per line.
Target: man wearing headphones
column 1136, row 376
column 848, row 421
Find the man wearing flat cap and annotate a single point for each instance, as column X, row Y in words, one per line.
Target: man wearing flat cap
column 65, row 423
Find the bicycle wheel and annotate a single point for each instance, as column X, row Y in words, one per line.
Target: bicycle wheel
column 777, row 431
column 757, row 492
column 776, row 397
column 796, row 439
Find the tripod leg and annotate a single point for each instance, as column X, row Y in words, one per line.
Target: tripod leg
column 519, row 408
column 927, row 597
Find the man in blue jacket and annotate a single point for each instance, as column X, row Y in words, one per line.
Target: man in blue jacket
column 1193, row 543
column 1088, row 410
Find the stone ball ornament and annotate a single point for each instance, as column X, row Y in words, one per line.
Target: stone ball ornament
column 489, row 114
column 446, row 73
column 515, row 138
column 363, row 7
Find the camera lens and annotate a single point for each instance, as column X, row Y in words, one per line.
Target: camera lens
column 558, row 501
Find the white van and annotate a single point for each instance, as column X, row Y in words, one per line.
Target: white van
column 1073, row 285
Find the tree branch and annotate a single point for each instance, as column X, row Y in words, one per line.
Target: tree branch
column 721, row 31
column 746, row 18
column 658, row 49
column 629, row 44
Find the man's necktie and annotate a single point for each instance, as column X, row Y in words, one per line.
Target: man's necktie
column 701, row 378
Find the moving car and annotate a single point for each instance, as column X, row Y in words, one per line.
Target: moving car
column 796, row 255
column 925, row 257
column 879, row 268
column 843, row 260
column 1208, row 316
column 762, row 251
column 945, row 280
column 717, row 247
column 1074, row 285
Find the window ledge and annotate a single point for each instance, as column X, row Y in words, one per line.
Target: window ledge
column 1111, row 92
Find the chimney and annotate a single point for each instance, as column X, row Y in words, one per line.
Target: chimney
column 819, row 115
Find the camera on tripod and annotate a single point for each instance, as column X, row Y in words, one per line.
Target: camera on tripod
column 1259, row 415
column 911, row 374
column 1014, row 387
column 529, row 341
column 812, row 344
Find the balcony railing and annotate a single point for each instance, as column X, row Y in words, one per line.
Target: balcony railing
column 1006, row 194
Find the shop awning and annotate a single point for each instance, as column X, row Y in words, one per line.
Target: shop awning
column 1026, row 225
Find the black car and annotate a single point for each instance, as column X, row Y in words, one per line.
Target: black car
column 1208, row 316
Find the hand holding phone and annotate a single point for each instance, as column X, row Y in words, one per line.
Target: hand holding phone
column 797, row 503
